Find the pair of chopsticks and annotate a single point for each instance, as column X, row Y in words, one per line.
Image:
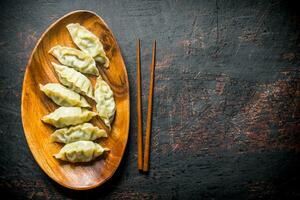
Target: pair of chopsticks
column 144, row 166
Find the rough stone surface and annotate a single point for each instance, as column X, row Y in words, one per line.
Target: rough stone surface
column 226, row 105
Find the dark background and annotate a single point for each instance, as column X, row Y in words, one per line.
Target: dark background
column 226, row 105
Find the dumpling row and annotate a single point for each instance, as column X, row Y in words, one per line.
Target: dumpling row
column 78, row 139
column 73, row 115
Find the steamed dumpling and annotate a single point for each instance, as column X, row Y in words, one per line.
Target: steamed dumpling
column 76, row 59
column 66, row 116
column 63, row 96
column 80, row 151
column 104, row 98
column 74, row 80
column 82, row 132
column 88, row 42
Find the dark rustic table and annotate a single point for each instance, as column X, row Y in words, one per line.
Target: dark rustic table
column 226, row 105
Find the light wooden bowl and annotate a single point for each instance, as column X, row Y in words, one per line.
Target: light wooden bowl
column 35, row 105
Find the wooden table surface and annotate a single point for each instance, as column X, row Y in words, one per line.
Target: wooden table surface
column 226, row 102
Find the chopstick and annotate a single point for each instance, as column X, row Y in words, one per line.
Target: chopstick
column 139, row 106
column 149, row 113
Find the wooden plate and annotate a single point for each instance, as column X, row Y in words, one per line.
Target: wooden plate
column 35, row 105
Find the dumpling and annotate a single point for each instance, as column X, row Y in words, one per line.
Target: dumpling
column 76, row 59
column 80, row 151
column 66, row 116
column 106, row 106
column 88, row 42
column 63, row 96
column 74, row 80
column 82, row 132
